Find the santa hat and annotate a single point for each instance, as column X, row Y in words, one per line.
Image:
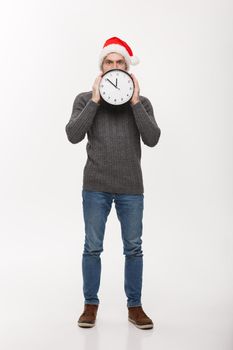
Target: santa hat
column 115, row 44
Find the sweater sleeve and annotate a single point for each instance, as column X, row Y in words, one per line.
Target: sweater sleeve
column 146, row 123
column 82, row 116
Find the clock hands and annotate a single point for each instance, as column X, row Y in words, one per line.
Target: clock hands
column 113, row 84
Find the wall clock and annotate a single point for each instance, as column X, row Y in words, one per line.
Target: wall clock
column 116, row 87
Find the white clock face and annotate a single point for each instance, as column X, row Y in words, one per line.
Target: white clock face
column 116, row 87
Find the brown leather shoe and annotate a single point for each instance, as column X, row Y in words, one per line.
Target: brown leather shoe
column 137, row 316
column 88, row 317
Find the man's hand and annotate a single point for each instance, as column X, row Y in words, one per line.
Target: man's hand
column 135, row 97
column 95, row 89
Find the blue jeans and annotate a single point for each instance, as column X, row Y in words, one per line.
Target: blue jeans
column 129, row 208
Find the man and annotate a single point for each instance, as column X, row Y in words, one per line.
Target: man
column 113, row 173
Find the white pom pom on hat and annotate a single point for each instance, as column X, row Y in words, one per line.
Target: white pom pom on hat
column 115, row 44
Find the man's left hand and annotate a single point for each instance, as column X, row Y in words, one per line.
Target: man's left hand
column 135, row 98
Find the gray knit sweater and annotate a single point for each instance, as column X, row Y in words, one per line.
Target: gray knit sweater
column 113, row 148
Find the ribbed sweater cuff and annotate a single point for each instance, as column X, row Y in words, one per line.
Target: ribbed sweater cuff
column 87, row 115
column 138, row 107
column 141, row 115
column 93, row 103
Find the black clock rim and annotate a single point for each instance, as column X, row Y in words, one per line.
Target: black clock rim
column 121, row 70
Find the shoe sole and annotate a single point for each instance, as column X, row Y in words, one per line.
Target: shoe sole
column 86, row 325
column 145, row 326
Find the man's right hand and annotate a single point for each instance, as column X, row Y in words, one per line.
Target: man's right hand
column 95, row 89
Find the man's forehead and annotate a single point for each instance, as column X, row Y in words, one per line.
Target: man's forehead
column 114, row 55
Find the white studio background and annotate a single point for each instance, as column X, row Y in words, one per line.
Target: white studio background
column 49, row 53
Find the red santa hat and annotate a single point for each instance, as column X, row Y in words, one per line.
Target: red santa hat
column 115, row 44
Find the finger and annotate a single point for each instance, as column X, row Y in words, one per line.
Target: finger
column 98, row 78
column 135, row 79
